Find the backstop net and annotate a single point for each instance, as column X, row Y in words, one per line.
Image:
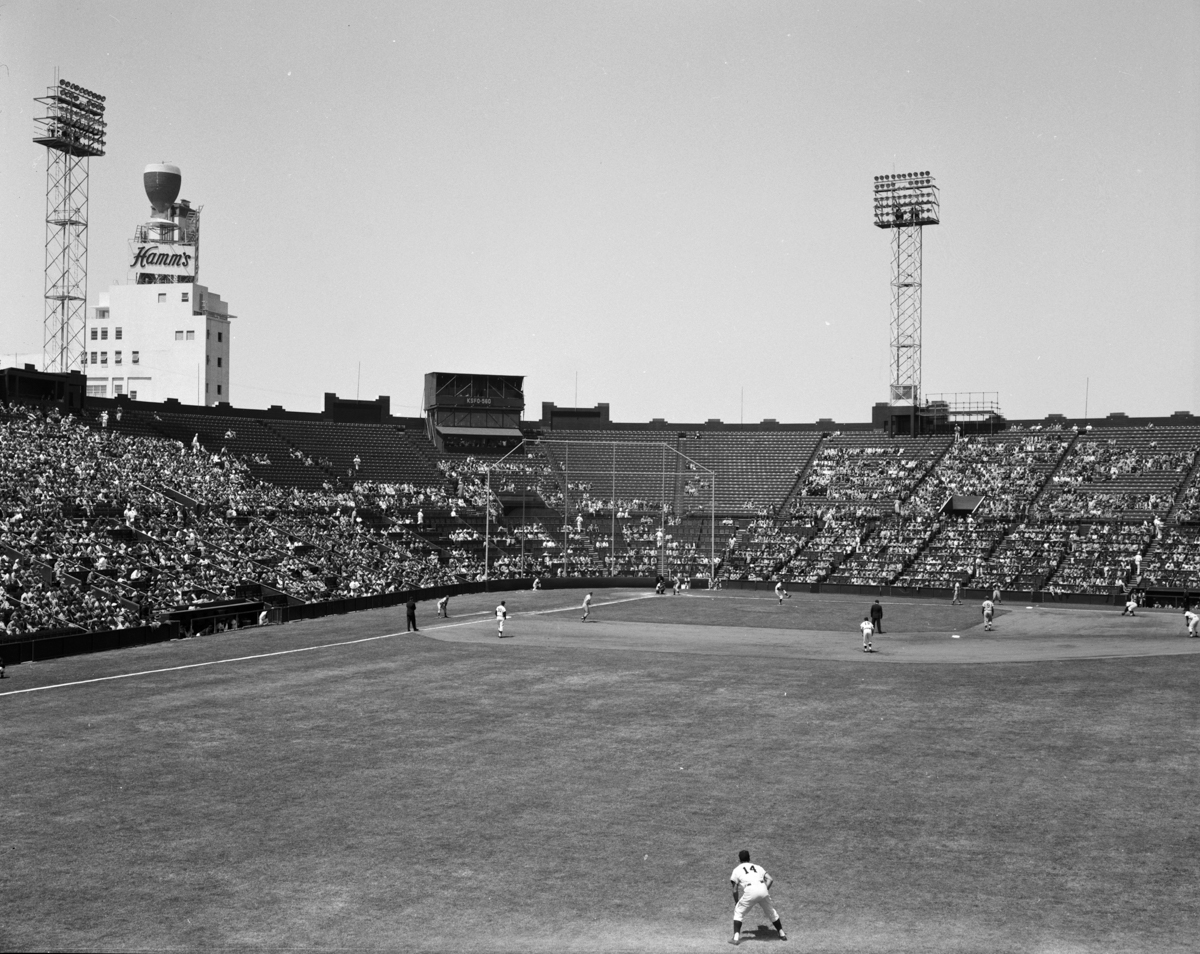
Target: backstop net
column 617, row 508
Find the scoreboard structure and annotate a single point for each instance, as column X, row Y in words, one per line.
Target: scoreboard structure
column 473, row 412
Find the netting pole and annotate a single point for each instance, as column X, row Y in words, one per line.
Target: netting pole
column 566, row 505
column 487, row 515
column 662, row 513
column 712, row 534
column 612, row 544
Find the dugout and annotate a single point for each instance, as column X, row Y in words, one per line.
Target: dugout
column 473, row 413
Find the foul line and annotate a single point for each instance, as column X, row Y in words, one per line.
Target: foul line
column 301, row 649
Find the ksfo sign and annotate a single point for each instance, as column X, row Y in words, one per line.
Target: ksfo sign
column 178, row 260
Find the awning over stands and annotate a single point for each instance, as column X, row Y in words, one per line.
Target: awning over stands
column 498, row 432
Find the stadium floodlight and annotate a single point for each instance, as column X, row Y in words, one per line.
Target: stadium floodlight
column 905, row 203
column 73, row 131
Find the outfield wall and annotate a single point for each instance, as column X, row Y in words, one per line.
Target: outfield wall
column 34, row 648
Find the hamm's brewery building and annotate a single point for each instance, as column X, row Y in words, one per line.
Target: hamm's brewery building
column 163, row 335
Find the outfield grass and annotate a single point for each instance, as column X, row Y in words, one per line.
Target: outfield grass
column 413, row 793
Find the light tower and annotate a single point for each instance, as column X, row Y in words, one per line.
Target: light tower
column 72, row 132
column 905, row 203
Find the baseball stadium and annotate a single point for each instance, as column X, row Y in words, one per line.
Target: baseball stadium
column 484, row 677
column 212, row 683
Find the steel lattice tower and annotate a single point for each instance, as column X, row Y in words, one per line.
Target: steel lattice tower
column 72, row 132
column 905, row 204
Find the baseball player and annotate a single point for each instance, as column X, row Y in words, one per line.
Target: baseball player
column 1190, row 616
column 501, row 616
column 989, row 611
column 751, row 886
column 1130, row 606
column 410, row 617
column 781, row 593
column 587, row 606
column 443, row 606
column 867, row 630
column 955, row 598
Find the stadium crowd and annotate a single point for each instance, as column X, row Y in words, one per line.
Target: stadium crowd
column 101, row 528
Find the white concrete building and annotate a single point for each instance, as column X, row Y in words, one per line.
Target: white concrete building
column 159, row 341
column 163, row 335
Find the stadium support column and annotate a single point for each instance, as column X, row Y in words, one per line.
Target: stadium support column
column 906, row 203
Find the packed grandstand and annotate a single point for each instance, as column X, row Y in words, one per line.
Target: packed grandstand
column 125, row 513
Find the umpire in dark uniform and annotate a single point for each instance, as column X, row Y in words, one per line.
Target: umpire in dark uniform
column 877, row 616
column 411, row 608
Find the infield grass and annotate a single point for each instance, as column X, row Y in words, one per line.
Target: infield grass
column 412, row 793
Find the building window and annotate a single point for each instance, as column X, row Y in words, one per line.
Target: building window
column 97, row 390
column 218, row 389
column 162, row 298
column 103, row 334
column 117, row 333
column 93, row 334
column 104, row 357
column 218, row 361
column 118, row 389
column 218, row 337
column 191, row 336
column 184, row 297
column 102, row 314
column 208, row 359
column 136, row 358
column 133, row 395
column 208, row 335
column 179, row 336
column 116, row 357
column 93, row 357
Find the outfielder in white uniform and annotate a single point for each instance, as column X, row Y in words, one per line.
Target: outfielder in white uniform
column 501, row 616
column 443, row 607
column 1193, row 622
column 587, row 606
column 751, row 886
column 781, row 592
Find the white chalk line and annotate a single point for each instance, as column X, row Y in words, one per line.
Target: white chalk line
column 301, row 649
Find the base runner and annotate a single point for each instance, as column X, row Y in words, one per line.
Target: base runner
column 751, row 886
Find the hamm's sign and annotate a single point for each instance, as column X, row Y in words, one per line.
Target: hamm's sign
column 159, row 259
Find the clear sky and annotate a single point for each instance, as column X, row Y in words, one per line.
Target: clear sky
column 668, row 201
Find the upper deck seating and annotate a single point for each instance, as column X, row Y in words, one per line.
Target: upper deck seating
column 1006, row 470
column 754, row 471
column 1126, row 472
column 871, row 468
